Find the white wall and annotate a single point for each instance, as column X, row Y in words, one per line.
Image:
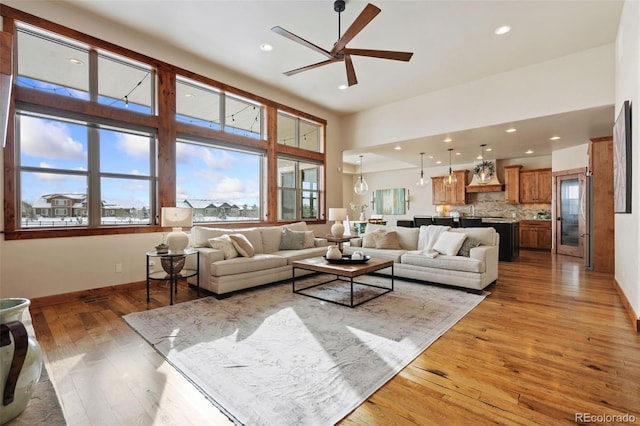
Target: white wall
column 570, row 158
column 627, row 226
column 579, row 81
column 42, row 267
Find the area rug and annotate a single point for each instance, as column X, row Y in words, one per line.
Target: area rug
column 271, row 357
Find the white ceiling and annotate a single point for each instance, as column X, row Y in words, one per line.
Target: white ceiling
column 453, row 42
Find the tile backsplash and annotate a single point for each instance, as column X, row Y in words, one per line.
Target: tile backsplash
column 492, row 204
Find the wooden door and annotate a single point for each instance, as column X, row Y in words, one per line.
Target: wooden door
column 570, row 214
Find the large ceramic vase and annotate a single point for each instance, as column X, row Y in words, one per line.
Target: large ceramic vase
column 20, row 357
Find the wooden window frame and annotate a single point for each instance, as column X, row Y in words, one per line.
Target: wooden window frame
column 164, row 122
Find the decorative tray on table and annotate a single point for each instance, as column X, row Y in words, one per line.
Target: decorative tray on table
column 346, row 258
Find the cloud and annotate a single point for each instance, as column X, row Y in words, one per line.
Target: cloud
column 212, row 157
column 49, row 139
column 133, row 145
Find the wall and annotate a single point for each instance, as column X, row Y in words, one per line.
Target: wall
column 574, row 82
column 42, row 267
column 570, row 158
column 627, row 226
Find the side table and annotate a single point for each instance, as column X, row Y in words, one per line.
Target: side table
column 172, row 271
column 338, row 240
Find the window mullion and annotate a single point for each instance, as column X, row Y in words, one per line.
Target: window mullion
column 94, row 202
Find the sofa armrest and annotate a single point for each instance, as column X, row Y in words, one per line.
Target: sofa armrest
column 320, row 242
column 356, row 242
column 489, row 255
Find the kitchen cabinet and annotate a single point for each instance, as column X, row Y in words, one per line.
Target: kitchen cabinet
column 535, row 234
column 535, row 186
column 512, row 184
column 455, row 195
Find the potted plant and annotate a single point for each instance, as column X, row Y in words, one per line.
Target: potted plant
column 163, row 247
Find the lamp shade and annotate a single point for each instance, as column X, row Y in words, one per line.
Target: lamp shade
column 176, row 218
column 337, row 213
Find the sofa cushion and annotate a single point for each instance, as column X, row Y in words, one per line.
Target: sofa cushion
column 454, row 263
column 200, row 235
column 242, row 245
column 240, row 265
column 297, row 226
column 449, row 243
column 309, row 239
column 292, row 240
column 428, row 235
column 388, row 254
column 293, row 255
column 368, row 239
column 386, row 240
column 271, row 236
column 407, row 237
column 486, row 236
column 224, row 244
column 253, row 235
column 469, row 243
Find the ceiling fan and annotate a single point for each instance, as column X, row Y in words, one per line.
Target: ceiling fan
column 340, row 51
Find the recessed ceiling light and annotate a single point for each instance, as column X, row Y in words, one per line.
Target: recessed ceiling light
column 431, row 157
column 438, row 162
column 397, row 148
column 343, row 87
column 488, row 149
column 529, row 151
column 502, row 30
column 510, row 130
column 479, row 157
column 447, row 140
column 189, row 95
column 266, row 47
column 458, row 153
column 554, row 138
column 75, row 61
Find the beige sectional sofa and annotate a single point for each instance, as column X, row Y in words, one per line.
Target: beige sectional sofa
column 415, row 255
column 221, row 272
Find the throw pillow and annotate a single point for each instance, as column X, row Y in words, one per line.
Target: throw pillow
column 291, row 240
column 242, row 245
column 467, row 245
column 449, row 243
column 309, row 239
column 387, row 240
column 224, row 244
column 368, row 239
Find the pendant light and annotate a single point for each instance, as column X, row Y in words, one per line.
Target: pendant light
column 484, row 170
column 451, row 179
column 361, row 186
column 421, row 180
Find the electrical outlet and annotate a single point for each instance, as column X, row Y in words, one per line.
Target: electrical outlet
column 118, row 268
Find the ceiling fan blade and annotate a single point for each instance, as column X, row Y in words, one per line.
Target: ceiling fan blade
column 366, row 16
column 300, row 40
column 310, row 67
column 384, row 54
column 351, row 71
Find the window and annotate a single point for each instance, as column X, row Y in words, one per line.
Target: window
column 218, row 183
column 109, row 159
column 197, row 104
column 298, row 190
column 125, row 84
column 54, row 64
column 55, row 164
column 294, row 131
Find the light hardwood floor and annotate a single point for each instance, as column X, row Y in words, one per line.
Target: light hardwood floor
column 550, row 342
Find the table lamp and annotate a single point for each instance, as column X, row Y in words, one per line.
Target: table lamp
column 337, row 214
column 176, row 218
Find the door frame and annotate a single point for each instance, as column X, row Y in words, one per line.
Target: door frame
column 558, row 177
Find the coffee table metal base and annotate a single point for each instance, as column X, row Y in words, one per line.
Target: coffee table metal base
column 349, row 280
